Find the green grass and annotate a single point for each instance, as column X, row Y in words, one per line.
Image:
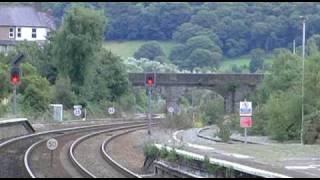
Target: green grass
column 226, row 64
column 126, row 49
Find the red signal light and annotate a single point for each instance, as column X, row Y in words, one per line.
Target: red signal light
column 150, row 79
column 15, row 76
column 150, row 82
column 15, row 79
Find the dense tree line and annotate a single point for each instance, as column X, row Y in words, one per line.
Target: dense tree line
column 236, row 27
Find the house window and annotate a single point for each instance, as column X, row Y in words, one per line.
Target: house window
column 11, row 35
column 34, row 33
column 19, row 32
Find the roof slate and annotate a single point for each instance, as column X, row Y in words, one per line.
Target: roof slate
column 23, row 16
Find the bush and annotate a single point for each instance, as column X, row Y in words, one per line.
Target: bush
column 164, row 152
column 172, row 156
column 211, row 168
column 224, row 132
column 179, row 121
column 3, row 109
column 63, row 93
column 151, row 150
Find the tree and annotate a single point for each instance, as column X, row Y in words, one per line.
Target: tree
column 199, row 51
column 149, row 50
column 76, row 42
column 257, row 60
column 313, row 44
column 109, row 80
column 186, row 31
column 36, row 97
column 63, row 93
column 4, row 79
column 35, row 90
column 202, row 58
column 281, row 97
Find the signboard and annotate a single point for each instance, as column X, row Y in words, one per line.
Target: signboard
column 57, row 112
column 170, row 109
column 111, row 110
column 52, row 144
column 246, row 122
column 245, row 108
column 77, row 110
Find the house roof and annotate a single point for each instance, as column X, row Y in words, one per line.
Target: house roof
column 24, row 16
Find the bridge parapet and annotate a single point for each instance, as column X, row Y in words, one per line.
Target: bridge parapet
column 197, row 80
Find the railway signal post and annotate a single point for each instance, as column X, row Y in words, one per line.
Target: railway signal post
column 15, row 79
column 150, row 82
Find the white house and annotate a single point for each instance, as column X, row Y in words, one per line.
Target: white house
column 19, row 23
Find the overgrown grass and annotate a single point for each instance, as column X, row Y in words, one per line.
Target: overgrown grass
column 126, row 49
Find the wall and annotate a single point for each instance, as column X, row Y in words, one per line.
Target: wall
column 4, row 33
column 26, row 34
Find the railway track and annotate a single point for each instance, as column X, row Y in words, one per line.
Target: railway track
column 15, row 153
column 93, row 172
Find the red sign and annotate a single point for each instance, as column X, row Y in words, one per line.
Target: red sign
column 245, row 122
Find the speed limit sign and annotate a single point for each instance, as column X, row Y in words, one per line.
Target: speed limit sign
column 171, row 109
column 111, row 110
column 77, row 110
column 52, row 144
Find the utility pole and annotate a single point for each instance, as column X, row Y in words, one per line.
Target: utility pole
column 302, row 84
column 192, row 106
column 294, row 46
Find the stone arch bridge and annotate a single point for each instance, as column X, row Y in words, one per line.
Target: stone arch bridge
column 232, row 87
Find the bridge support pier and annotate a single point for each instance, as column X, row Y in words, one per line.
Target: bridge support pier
column 172, row 95
column 229, row 102
column 233, row 97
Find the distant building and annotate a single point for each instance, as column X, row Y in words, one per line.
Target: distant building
column 19, row 23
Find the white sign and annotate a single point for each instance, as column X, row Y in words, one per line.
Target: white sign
column 171, row 109
column 111, row 110
column 77, row 110
column 57, row 112
column 245, row 108
column 52, row 144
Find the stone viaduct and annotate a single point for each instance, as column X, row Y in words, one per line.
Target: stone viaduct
column 232, row 87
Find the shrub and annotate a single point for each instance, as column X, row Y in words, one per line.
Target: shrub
column 164, row 152
column 224, row 132
column 172, row 156
column 151, row 151
column 63, row 93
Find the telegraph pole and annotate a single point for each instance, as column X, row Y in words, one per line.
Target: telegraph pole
column 294, row 46
column 302, row 87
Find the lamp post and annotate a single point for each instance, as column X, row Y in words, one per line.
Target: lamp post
column 302, row 87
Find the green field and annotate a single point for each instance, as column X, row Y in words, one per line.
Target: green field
column 126, row 49
column 226, row 64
